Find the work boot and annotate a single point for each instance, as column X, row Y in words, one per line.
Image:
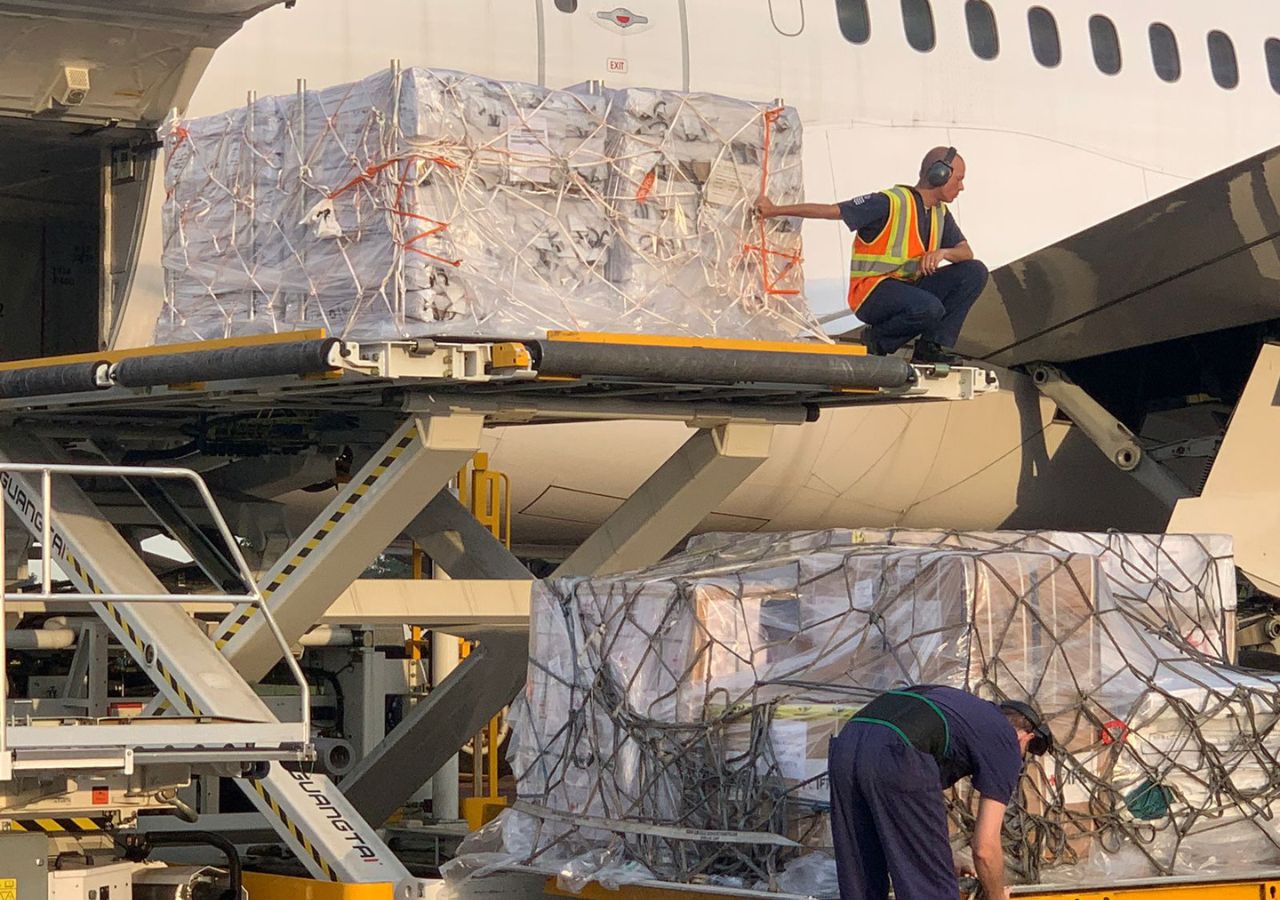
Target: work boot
column 930, row 353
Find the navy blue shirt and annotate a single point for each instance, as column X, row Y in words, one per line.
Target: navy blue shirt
column 983, row 743
column 868, row 214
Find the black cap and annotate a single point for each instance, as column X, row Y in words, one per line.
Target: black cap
column 1041, row 736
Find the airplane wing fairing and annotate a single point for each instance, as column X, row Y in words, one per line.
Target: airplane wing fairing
column 1203, row 258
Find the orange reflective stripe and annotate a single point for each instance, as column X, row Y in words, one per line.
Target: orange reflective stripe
column 915, row 247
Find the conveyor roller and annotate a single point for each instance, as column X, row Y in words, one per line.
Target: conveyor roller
column 697, row 365
column 44, row 381
column 228, row 363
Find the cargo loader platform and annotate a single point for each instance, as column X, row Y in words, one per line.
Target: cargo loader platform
column 408, row 415
column 564, row 376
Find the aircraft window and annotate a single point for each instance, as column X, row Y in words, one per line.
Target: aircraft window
column 1222, row 59
column 1106, row 44
column 1273, row 63
column 855, row 22
column 1164, row 52
column 983, row 36
column 917, row 19
column 568, row 6
column 1044, row 36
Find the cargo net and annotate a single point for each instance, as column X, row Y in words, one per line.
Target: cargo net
column 671, row 709
column 430, row 202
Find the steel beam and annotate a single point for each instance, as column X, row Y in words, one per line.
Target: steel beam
column 453, row 538
column 432, row 603
column 521, row 408
column 440, row 724
column 367, row 515
column 688, row 486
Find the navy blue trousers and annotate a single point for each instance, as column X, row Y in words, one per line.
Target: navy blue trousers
column 888, row 819
column 932, row 308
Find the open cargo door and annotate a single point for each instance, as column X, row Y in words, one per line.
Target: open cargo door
column 122, row 63
column 83, row 86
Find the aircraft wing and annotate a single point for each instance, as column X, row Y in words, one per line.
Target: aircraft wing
column 142, row 56
column 1200, row 259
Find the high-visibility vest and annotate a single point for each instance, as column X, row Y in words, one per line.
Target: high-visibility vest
column 896, row 250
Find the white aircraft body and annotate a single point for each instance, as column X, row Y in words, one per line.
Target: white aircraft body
column 1067, row 114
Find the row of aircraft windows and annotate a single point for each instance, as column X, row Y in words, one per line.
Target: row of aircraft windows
column 984, row 38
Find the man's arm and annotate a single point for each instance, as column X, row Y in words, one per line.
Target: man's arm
column 959, row 253
column 767, row 209
column 988, row 854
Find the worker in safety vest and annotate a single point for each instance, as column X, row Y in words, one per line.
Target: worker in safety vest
column 898, row 285
column 888, row 768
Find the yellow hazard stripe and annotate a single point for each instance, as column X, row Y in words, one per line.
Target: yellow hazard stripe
column 59, row 825
column 707, row 343
column 357, row 492
column 310, row 849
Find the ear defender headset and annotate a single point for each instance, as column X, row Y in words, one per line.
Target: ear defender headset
column 1041, row 736
column 939, row 173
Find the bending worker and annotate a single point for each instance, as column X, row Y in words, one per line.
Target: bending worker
column 897, row 283
column 888, row 768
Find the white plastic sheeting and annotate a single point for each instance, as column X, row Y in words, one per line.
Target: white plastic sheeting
column 429, row 202
column 700, row 693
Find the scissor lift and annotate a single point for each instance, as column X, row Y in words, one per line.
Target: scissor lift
column 419, row 408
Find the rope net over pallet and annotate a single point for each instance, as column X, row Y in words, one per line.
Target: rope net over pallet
column 669, row 709
column 423, row 201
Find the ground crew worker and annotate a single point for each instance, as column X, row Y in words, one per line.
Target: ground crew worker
column 897, row 284
column 888, row 768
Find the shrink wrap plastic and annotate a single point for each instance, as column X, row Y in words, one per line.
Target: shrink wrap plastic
column 430, row 202
column 700, row 694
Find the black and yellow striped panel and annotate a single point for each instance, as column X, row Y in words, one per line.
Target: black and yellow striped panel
column 59, row 824
column 294, row 831
column 82, row 574
column 357, row 493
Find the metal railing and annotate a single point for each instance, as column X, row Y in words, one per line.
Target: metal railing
column 48, row 558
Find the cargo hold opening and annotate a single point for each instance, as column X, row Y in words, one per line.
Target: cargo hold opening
column 71, row 203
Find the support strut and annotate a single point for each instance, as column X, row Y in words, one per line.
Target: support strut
column 1108, row 434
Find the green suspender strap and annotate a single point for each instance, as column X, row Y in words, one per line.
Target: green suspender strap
column 913, row 717
column 946, row 727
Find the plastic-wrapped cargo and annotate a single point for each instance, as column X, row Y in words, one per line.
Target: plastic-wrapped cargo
column 670, row 709
column 1184, row 585
column 431, row 202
